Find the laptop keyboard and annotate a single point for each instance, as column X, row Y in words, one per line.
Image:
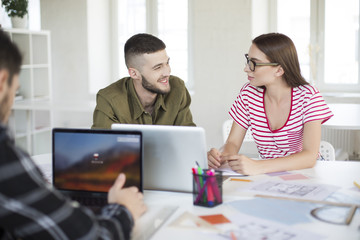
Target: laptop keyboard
column 90, row 201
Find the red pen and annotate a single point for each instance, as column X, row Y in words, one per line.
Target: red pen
column 210, row 195
column 215, row 187
column 194, row 170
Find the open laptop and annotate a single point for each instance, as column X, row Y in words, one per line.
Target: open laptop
column 86, row 162
column 169, row 154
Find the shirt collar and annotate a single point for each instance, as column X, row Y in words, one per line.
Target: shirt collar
column 160, row 102
column 138, row 108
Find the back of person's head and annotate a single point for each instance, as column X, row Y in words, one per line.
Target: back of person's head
column 279, row 48
column 10, row 57
column 140, row 44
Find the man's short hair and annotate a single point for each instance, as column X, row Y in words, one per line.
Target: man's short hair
column 140, row 44
column 10, row 57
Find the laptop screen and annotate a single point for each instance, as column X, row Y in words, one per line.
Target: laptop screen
column 177, row 146
column 90, row 160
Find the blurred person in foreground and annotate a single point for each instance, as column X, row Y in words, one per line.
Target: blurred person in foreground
column 29, row 207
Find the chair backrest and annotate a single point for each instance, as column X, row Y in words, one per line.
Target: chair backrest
column 226, row 128
column 327, row 151
column 226, row 131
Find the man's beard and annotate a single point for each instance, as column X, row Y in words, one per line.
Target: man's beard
column 152, row 88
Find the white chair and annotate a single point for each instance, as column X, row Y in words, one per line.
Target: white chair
column 226, row 128
column 248, row 146
column 226, row 131
column 327, row 151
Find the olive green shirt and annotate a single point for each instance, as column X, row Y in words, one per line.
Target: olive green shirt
column 119, row 103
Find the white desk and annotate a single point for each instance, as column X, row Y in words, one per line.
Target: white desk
column 338, row 173
column 346, row 117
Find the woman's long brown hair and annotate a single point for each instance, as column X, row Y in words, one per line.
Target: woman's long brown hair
column 280, row 48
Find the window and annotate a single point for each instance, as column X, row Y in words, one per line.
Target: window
column 341, row 42
column 131, row 20
column 294, row 17
column 166, row 19
column 172, row 29
column 326, row 35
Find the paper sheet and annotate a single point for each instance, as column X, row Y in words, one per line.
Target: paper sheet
column 297, row 176
column 273, row 174
column 254, row 228
column 237, row 226
column 291, row 189
column 215, row 219
column 281, row 211
column 227, row 171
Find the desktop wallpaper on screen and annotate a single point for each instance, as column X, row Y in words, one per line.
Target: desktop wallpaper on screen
column 91, row 162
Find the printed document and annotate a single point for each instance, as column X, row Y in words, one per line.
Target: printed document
column 289, row 189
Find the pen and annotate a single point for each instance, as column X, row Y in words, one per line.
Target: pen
column 202, row 189
column 350, row 214
column 240, row 180
column 202, row 183
column 232, row 235
column 357, row 185
column 210, row 195
column 194, row 170
column 214, row 185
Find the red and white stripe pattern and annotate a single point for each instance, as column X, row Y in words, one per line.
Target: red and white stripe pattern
column 306, row 105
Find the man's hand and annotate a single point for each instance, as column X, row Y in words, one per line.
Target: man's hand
column 130, row 197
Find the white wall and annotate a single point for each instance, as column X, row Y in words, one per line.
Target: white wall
column 220, row 34
column 262, row 21
column 98, row 29
column 67, row 21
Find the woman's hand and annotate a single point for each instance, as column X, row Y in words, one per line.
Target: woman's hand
column 214, row 158
column 242, row 164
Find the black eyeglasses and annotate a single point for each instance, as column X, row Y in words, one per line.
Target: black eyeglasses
column 252, row 64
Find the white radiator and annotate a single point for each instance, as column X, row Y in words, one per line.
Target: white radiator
column 344, row 141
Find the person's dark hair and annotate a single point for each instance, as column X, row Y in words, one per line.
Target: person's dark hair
column 140, row 44
column 10, row 57
column 280, row 48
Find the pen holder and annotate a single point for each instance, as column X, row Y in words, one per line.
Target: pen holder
column 207, row 188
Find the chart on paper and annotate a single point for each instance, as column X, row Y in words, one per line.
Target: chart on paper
column 292, row 189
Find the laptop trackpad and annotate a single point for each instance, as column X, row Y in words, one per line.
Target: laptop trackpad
column 151, row 221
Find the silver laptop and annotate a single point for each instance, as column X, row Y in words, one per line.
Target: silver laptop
column 86, row 162
column 169, row 154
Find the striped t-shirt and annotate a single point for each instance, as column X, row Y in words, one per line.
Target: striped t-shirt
column 306, row 105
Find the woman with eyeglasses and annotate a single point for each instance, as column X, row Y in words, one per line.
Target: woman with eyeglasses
column 283, row 111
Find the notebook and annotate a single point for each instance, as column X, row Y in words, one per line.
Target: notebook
column 169, row 154
column 86, row 162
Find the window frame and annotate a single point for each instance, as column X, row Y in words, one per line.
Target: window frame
column 151, row 27
column 317, row 40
